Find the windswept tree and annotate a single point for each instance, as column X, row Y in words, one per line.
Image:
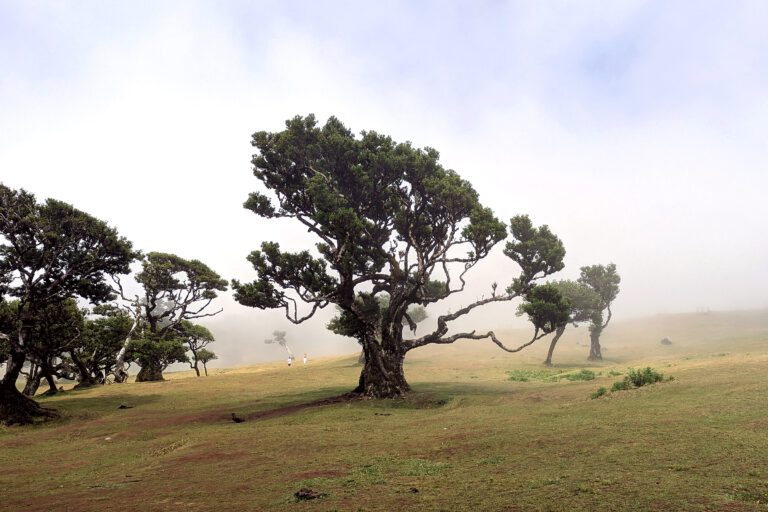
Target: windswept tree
column 205, row 356
column 174, row 290
column 49, row 252
column 390, row 219
column 604, row 281
column 582, row 304
column 196, row 337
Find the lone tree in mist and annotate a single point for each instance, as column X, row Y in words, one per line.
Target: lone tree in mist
column 388, row 218
column 49, row 252
column 278, row 337
column 582, row 305
column 205, row 356
column 604, row 281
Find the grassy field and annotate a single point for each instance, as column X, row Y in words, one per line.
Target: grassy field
column 468, row 438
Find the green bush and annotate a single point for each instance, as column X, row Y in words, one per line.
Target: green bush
column 621, row 385
column 600, row 392
column 647, row 375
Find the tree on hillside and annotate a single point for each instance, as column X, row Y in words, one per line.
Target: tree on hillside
column 604, row 281
column 196, row 337
column 205, row 356
column 174, row 290
column 49, row 252
column 583, row 303
column 388, row 219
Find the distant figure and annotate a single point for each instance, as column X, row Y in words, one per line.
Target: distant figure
column 305, row 358
column 236, row 419
column 290, row 360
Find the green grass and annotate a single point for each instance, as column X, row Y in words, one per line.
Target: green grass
column 466, row 439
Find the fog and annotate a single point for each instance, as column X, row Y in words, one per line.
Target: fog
column 634, row 130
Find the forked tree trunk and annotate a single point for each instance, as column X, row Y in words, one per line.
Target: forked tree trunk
column 151, row 371
column 595, row 354
column 86, row 377
column 16, row 408
column 205, row 367
column 382, row 375
column 559, row 332
column 196, row 368
column 34, row 377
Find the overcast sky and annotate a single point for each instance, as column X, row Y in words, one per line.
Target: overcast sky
column 636, row 130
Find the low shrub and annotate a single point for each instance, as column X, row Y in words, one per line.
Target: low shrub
column 600, row 392
column 580, row 375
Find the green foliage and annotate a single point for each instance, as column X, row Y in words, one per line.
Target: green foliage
column 622, row 385
column 583, row 300
column 546, row 307
column 643, row 376
column 614, row 373
column 204, row 356
column 638, row 378
column 538, row 251
column 601, row 391
column 73, row 250
column 582, row 374
column 151, row 351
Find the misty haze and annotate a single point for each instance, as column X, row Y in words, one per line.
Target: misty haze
column 383, row 256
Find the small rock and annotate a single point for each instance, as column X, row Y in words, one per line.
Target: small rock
column 306, row 494
column 414, row 490
column 123, row 406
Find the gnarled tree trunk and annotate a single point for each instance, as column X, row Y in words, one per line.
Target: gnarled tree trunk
column 151, row 371
column 86, row 377
column 558, row 333
column 16, row 408
column 595, row 354
column 382, row 375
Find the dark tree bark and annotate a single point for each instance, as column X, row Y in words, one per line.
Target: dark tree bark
column 151, row 371
column 558, row 333
column 595, row 354
column 16, row 408
column 86, row 377
column 382, row 375
column 205, row 367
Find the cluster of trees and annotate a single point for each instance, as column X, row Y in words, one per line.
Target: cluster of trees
column 396, row 232
column 587, row 299
column 54, row 259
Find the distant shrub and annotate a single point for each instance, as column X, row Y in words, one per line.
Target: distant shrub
column 647, row 375
column 621, row 385
column 614, row 373
column 528, row 375
column 580, row 375
column 600, row 392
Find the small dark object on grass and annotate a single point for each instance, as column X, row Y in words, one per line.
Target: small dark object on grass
column 666, row 341
column 305, row 494
column 414, row 490
column 123, row 406
column 382, row 414
column 237, row 419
